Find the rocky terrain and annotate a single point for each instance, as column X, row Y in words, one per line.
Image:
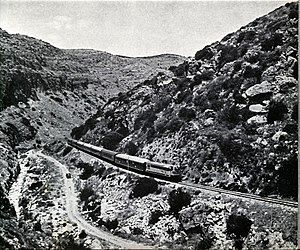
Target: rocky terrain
column 229, row 122
column 45, row 92
column 227, row 117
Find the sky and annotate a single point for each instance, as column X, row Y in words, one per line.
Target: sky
column 131, row 28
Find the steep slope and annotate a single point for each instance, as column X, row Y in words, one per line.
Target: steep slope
column 46, row 91
column 231, row 122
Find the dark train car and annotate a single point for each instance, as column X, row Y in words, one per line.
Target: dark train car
column 162, row 169
column 108, row 154
column 131, row 162
column 85, row 147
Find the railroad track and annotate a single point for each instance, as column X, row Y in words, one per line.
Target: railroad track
column 287, row 203
column 248, row 196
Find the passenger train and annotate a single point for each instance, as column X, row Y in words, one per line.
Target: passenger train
column 128, row 161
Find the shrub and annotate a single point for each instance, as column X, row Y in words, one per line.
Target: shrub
column 238, row 227
column 143, row 187
column 205, row 53
column 230, row 148
column 85, row 194
column 287, row 178
column 111, row 140
column 154, row 217
column 131, row 148
column 80, row 131
column 174, row 125
column 87, row 172
column 204, row 244
column 228, row 54
column 277, row 111
column 187, row 113
column 252, row 72
column 272, row 42
column 230, row 114
column 145, row 119
column 178, row 199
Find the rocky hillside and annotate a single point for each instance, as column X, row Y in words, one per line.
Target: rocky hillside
column 44, row 93
column 28, row 64
column 231, row 122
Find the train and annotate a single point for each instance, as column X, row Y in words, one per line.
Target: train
column 129, row 162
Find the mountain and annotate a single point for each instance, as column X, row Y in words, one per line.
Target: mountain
column 46, row 91
column 231, row 122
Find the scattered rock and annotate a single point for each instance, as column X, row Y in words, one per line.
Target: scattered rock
column 258, row 89
column 279, row 136
column 258, row 119
column 257, row 108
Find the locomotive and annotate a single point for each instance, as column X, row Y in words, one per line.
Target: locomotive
column 128, row 161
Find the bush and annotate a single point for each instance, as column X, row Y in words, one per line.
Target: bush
column 230, row 114
column 204, row 244
column 131, row 148
column 252, row 72
column 230, row 149
column 287, row 178
column 154, row 217
column 272, row 42
column 187, row 113
column 277, row 111
column 174, row 125
column 205, row 53
column 87, row 172
column 238, row 227
column 143, row 187
column 178, row 199
column 228, row 54
column 86, row 193
column 145, row 119
column 111, row 140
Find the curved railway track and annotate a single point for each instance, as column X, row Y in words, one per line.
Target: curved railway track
column 286, row 203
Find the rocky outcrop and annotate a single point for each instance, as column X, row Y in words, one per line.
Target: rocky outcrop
column 208, row 120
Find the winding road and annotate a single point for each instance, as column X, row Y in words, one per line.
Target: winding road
column 75, row 217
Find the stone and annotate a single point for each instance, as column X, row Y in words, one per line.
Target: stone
column 261, row 88
column 258, row 119
column 209, row 122
column 278, row 135
column 258, row 108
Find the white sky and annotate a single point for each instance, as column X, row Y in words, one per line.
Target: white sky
column 132, row 28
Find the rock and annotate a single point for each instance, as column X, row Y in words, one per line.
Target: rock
column 258, row 108
column 279, row 135
column 261, row 88
column 209, row 122
column 258, row 119
column 209, row 113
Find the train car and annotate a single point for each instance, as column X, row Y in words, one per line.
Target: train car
column 85, row 147
column 108, row 154
column 162, row 169
column 131, row 162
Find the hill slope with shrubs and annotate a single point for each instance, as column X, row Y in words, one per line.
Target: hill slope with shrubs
column 46, row 91
column 228, row 118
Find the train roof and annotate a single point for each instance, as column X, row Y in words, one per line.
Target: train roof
column 132, row 158
column 169, row 166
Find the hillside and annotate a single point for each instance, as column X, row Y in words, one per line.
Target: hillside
column 230, row 123
column 44, row 93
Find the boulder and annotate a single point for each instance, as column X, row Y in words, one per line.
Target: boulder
column 258, row 119
column 261, row 88
column 279, row 135
column 209, row 121
column 258, row 108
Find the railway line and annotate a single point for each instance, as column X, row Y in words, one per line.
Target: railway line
column 247, row 196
